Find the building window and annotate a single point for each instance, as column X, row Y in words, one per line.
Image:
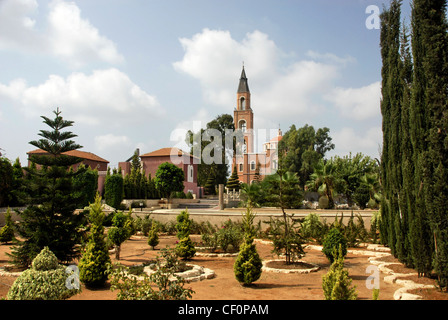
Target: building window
column 274, row 164
column 242, row 125
column 252, row 165
column 190, row 173
column 242, row 103
column 241, row 167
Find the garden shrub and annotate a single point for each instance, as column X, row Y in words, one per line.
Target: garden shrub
column 324, row 202
column 153, row 237
column 312, row 227
column 183, row 225
column 248, row 264
column 163, row 284
column 286, row 243
column 332, row 241
column 362, row 196
column 145, row 224
column 228, row 237
column 45, row 280
column 93, row 263
column 7, row 232
column 185, row 248
column 119, row 232
column 336, row 283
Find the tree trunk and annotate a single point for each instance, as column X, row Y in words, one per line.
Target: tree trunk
column 117, row 252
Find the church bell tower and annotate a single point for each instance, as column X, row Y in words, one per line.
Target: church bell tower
column 243, row 116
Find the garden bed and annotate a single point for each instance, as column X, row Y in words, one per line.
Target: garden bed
column 280, row 266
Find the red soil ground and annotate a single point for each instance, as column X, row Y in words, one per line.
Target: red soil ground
column 271, row 286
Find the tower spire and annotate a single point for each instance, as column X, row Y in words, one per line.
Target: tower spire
column 243, row 85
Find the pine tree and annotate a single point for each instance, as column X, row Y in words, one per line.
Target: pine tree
column 233, row 183
column 49, row 219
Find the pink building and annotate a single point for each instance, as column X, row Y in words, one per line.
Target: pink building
column 152, row 160
column 88, row 159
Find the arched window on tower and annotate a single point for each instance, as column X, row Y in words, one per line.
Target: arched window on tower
column 242, row 125
column 242, row 103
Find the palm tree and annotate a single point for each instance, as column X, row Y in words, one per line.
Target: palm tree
column 371, row 180
column 324, row 179
column 251, row 194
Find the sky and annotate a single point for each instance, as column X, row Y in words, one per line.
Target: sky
column 139, row 74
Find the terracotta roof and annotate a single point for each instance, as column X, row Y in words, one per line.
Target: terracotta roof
column 166, row 152
column 276, row 139
column 74, row 153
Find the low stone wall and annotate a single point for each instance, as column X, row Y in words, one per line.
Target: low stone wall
column 217, row 217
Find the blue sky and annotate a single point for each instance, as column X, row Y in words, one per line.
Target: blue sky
column 132, row 74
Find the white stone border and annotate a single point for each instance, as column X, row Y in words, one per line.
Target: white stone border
column 214, row 255
column 378, row 251
column 4, row 272
column 392, row 277
column 303, row 271
column 197, row 273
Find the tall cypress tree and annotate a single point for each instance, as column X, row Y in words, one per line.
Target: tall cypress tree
column 406, row 194
column 391, row 111
column 425, row 99
column 434, row 40
column 49, row 219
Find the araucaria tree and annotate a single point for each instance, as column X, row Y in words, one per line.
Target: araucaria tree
column 414, row 164
column 49, row 219
column 283, row 191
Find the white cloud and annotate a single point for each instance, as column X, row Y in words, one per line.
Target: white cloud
column 66, row 34
column 75, row 39
column 108, row 141
column 285, row 90
column 16, row 25
column 350, row 140
column 357, row 103
column 330, row 58
column 105, row 96
column 214, row 58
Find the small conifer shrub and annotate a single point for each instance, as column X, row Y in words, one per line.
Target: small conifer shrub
column 7, row 232
column 93, row 263
column 336, row 283
column 185, row 248
column 153, row 237
column 248, row 264
column 332, row 241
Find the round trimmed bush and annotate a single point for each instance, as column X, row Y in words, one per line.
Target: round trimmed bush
column 45, row 280
column 324, row 202
column 331, row 243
